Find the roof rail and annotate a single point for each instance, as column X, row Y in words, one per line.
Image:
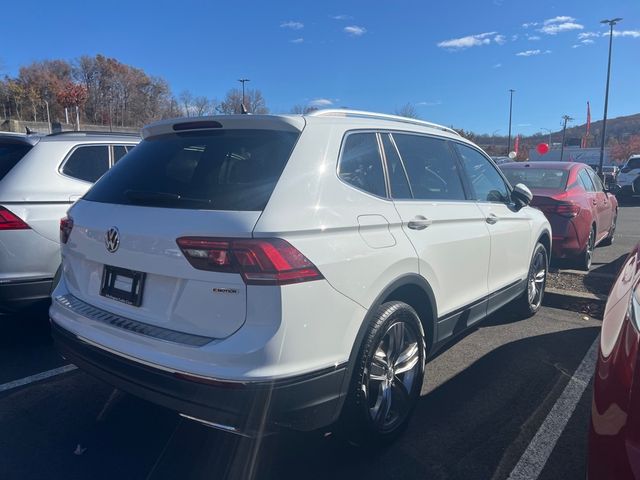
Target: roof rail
column 99, row 132
column 339, row 112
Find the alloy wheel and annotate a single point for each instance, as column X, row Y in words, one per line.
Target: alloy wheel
column 537, row 279
column 392, row 373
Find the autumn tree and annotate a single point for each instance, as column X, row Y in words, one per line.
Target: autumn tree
column 253, row 100
column 621, row 150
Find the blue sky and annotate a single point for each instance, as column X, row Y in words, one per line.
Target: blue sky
column 454, row 60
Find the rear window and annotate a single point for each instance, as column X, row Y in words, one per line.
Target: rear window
column 213, row 170
column 10, row 155
column 549, row 178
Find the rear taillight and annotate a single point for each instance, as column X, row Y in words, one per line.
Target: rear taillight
column 568, row 210
column 66, row 225
column 270, row 261
column 10, row 221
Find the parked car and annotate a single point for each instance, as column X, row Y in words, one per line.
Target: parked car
column 629, row 177
column 40, row 177
column 614, row 439
column 581, row 211
column 258, row 272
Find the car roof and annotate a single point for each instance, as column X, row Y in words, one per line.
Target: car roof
column 557, row 165
column 20, row 138
column 91, row 137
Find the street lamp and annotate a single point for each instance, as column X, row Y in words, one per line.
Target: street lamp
column 510, row 112
column 566, row 119
column 611, row 23
column 243, row 81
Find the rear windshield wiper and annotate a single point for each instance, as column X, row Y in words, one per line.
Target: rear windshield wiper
column 143, row 196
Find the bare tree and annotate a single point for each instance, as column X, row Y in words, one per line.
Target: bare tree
column 253, row 100
column 407, row 110
column 303, row 109
column 186, row 98
column 203, row 106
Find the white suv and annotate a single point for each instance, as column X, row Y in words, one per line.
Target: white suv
column 259, row 272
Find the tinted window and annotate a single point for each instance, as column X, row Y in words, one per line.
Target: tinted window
column 551, row 178
column 488, row 185
column 119, row 151
column 597, row 183
column 631, row 164
column 10, row 155
column 397, row 175
column 585, row 180
column 431, row 167
column 87, row 163
column 215, row 170
column 361, row 165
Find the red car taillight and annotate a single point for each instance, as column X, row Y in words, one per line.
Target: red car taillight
column 10, row 221
column 270, row 261
column 568, row 210
column 66, row 225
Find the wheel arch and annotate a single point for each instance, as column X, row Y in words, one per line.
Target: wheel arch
column 545, row 239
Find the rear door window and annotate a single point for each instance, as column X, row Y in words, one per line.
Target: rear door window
column 597, row 183
column 87, row 162
column 211, row 169
column 433, row 171
column 585, row 180
column 119, row 151
column 10, row 155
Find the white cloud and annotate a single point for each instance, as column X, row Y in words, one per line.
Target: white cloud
column 556, row 28
column 624, row 33
column 500, row 39
column 292, row 25
column 321, row 102
column 563, row 23
column 468, row 41
column 530, row 24
column 514, row 37
column 583, row 35
column 355, row 30
column 559, row 19
column 586, row 41
column 297, row 40
column 576, row 46
column 533, row 37
column 497, row 65
column 341, row 17
column 524, row 125
column 429, row 104
column 531, row 53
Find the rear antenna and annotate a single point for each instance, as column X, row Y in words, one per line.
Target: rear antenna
column 243, row 109
column 29, row 132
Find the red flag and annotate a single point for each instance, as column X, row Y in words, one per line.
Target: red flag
column 515, row 147
column 588, row 118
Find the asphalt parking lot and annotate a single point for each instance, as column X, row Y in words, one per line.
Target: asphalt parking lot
column 487, row 411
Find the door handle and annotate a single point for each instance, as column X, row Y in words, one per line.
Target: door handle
column 492, row 218
column 419, row 223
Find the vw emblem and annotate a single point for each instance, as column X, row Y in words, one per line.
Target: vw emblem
column 112, row 239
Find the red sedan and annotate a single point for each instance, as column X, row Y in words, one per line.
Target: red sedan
column 614, row 438
column 582, row 213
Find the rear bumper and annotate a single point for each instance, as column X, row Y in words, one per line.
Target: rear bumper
column 305, row 403
column 18, row 294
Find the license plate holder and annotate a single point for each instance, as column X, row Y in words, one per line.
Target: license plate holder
column 123, row 285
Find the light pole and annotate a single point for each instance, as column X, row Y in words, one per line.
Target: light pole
column 48, row 115
column 243, row 81
column 548, row 131
column 510, row 112
column 566, row 119
column 611, row 23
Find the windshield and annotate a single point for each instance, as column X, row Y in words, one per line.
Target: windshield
column 10, row 155
column 213, row 169
column 632, row 164
column 549, row 178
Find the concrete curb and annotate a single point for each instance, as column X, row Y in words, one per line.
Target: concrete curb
column 577, row 295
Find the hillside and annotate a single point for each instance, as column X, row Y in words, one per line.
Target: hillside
column 617, row 128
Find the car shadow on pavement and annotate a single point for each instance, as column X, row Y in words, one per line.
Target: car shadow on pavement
column 475, row 425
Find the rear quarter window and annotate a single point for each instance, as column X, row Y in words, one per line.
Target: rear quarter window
column 87, row 162
column 10, row 155
column 212, row 169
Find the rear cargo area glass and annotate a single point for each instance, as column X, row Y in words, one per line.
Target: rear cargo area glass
column 209, row 170
column 10, row 155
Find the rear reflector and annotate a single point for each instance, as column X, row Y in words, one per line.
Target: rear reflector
column 270, row 261
column 10, row 221
column 568, row 210
column 66, row 225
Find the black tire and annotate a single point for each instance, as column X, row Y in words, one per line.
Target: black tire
column 530, row 301
column 583, row 261
column 612, row 231
column 381, row 399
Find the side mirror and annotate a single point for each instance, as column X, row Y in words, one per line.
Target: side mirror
column 521, row 195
